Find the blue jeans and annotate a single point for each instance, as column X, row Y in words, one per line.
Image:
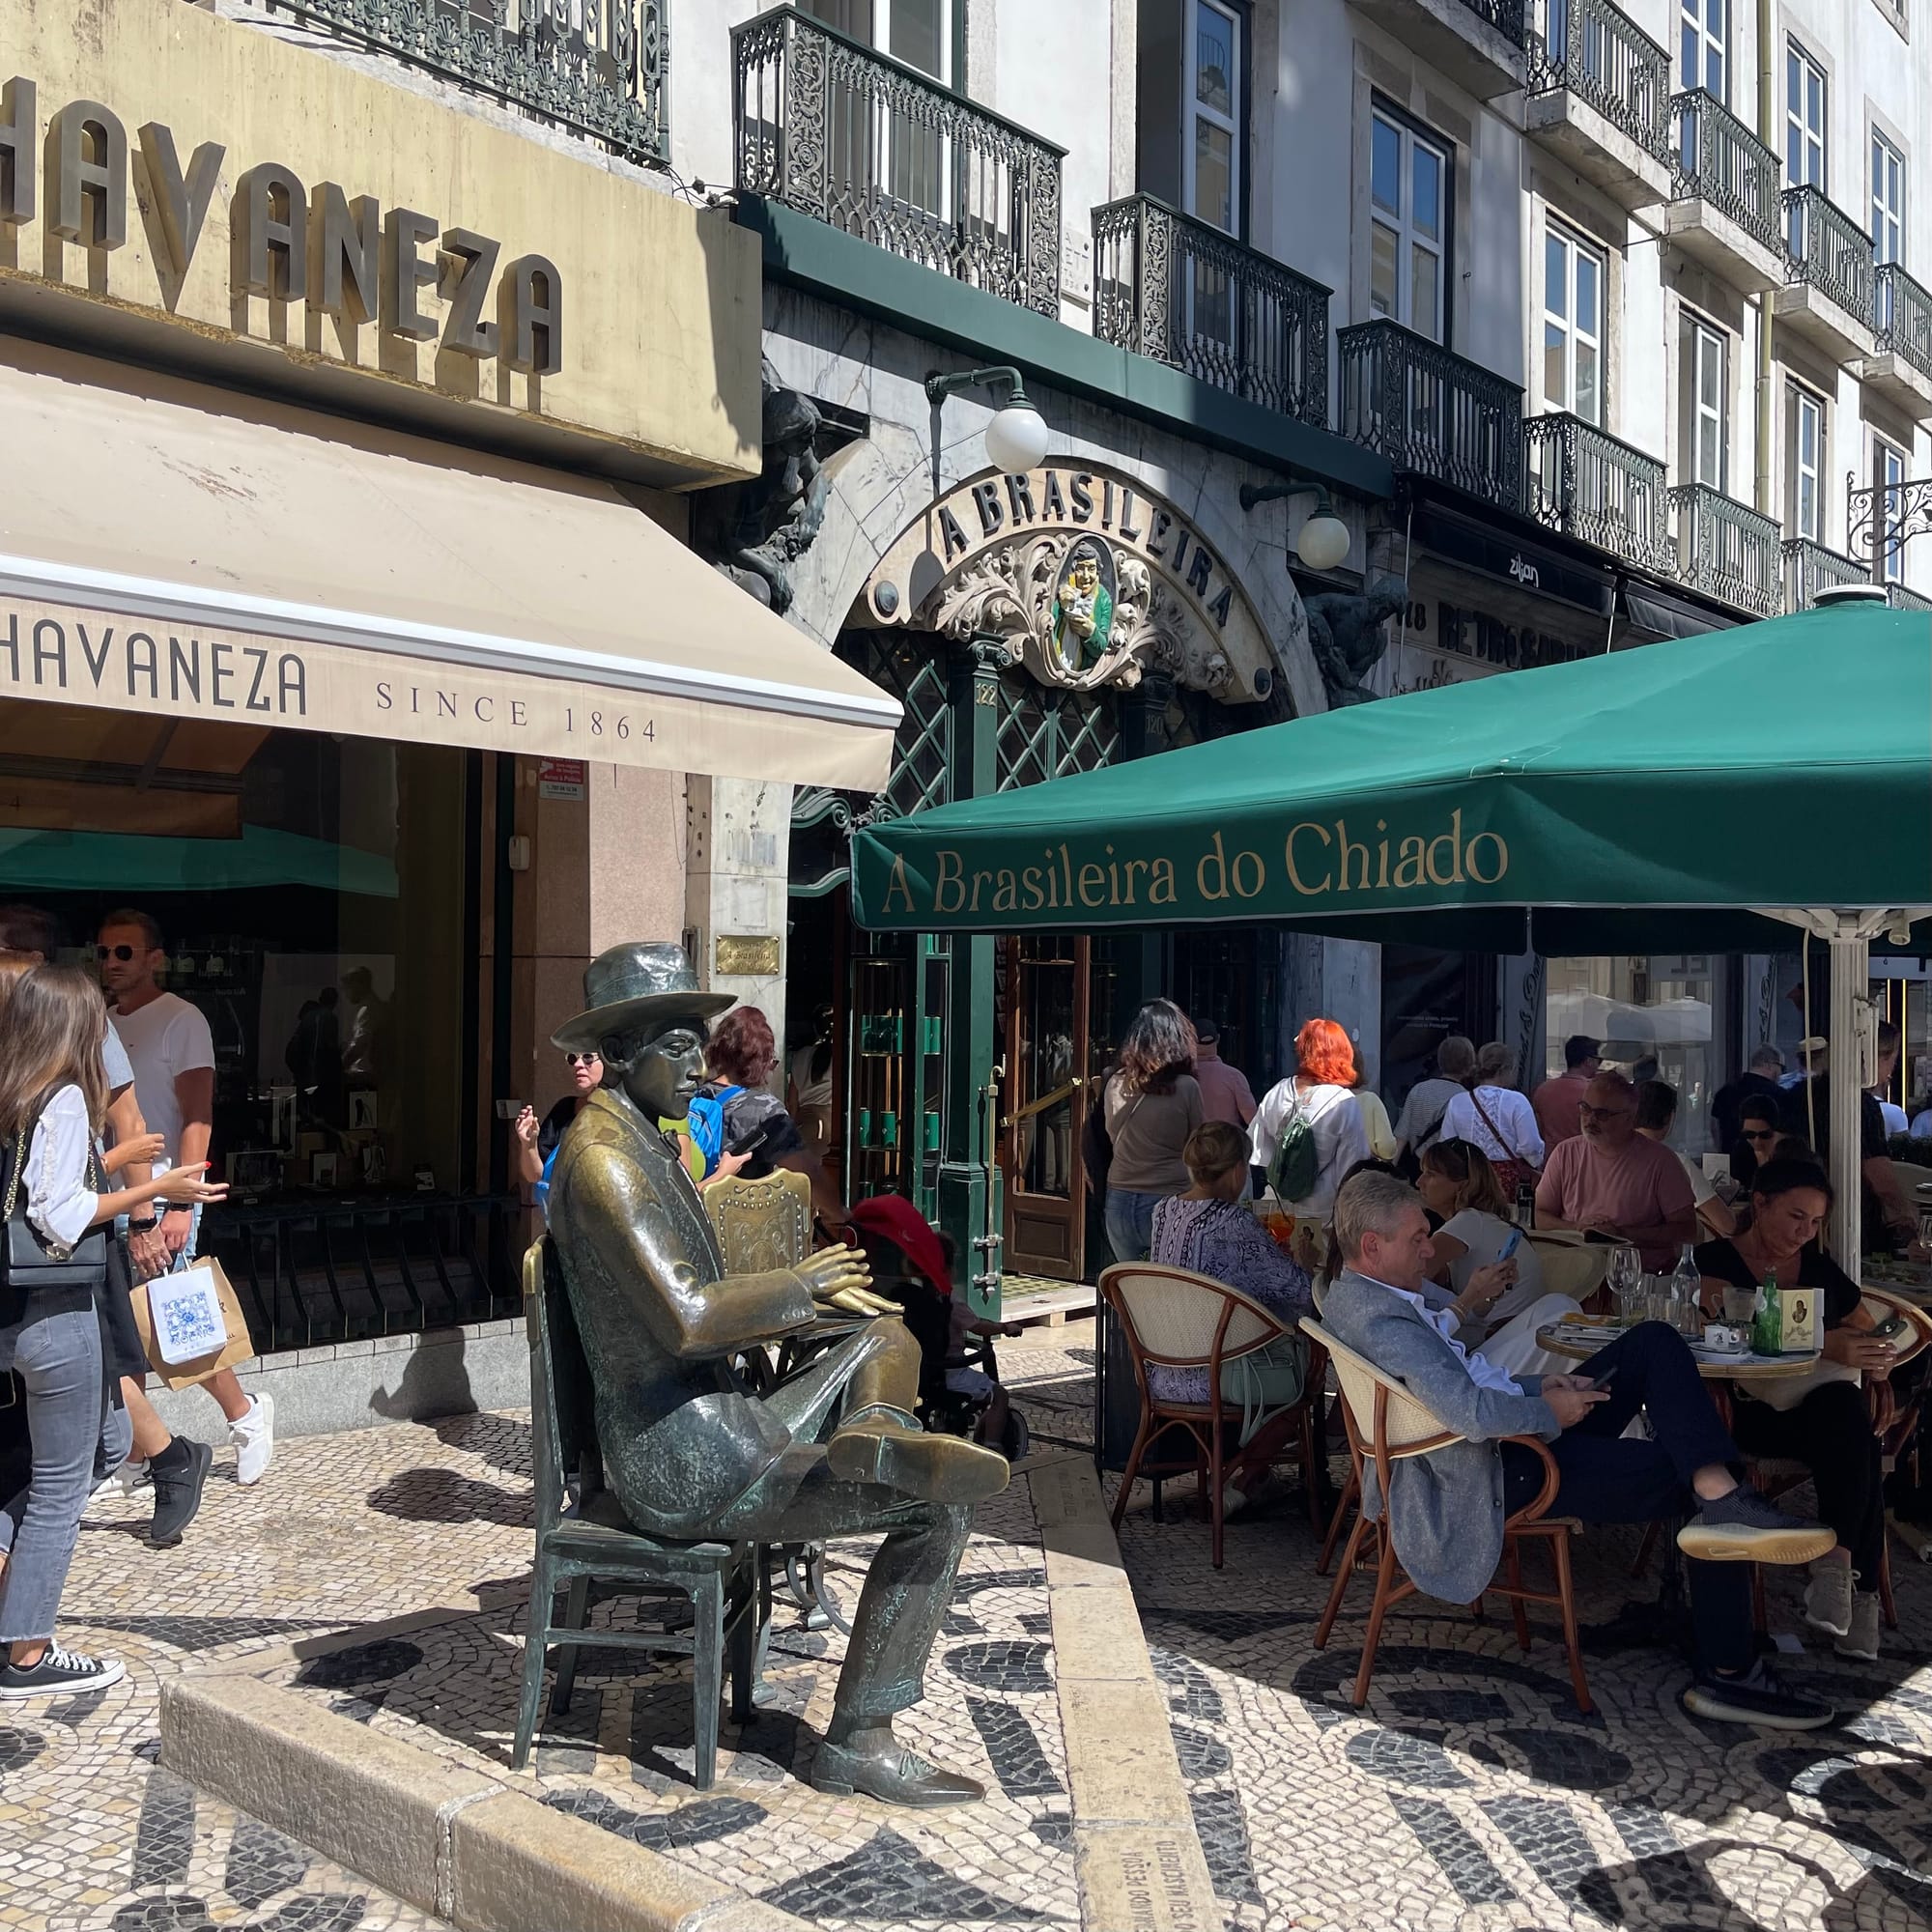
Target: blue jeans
column 1603, row 1478
column 57, row 1351
column 1130, row 1223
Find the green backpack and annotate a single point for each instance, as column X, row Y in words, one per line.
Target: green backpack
column 1297, row 1164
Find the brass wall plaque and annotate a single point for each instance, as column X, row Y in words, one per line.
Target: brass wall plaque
column 748, row 956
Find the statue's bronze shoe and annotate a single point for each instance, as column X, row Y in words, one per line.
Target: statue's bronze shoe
column 880, row 1446
column 884, row 1768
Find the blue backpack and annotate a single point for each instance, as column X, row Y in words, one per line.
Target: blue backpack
column 706, row 1119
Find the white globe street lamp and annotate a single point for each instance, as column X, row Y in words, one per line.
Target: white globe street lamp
column 1323, row 541
column 1016, row 437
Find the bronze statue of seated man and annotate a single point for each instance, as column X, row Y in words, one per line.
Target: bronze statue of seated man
column 689, row 1453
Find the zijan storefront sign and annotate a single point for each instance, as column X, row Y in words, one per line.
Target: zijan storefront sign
column 230, row 202
column 315, row 248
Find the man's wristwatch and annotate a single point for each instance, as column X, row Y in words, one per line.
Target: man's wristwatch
column 146, row 1226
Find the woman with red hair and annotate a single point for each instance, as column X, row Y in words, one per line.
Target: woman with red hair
column 1308, row 1131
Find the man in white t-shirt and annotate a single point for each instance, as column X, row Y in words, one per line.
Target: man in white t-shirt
column 173, row 1054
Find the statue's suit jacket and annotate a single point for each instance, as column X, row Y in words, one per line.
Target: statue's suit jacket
column 659, row 1318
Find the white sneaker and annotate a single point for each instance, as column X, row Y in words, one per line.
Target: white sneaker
column 1828, row 1597
column 254, row 1440
column 128, row 1478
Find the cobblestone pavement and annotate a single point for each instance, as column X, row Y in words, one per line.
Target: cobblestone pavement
column 1468, row 1793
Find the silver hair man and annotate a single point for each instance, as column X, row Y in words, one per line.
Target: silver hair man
column 1370, row 1204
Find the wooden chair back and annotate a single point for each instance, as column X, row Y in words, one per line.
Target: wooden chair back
column 1184, row 1320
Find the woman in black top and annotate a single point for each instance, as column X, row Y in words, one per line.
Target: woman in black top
column 1828, row 1429
column 1758, row 1133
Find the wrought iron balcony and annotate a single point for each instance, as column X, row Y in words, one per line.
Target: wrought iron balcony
column 1171, row 287
column 835, row 130
column 1829, row 251
column 1902, row 599
column 595, row 67
column 1809, row 568
column 1504, row 16
column 1721, row 161
column 1431, row 411
column 1727, row 549
column 1902, row 317
column 1586, row 483
column 1596, row 51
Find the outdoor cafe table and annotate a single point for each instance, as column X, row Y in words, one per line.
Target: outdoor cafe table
column 1564, row 1339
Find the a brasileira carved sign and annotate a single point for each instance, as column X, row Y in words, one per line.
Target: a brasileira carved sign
column 1089, row 579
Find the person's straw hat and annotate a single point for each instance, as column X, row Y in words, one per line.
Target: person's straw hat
column 643, row 981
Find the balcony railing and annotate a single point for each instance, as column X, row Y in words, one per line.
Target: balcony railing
column 1809, row 568
column 1600, row 54
column 1902, row 315
column 1719, row 160
column 1902, row 599
column 1829, row 250
column 836, row 130
column 1170, row 287
column 1506, row 17
column 1586, row 483
column 1429, row 411
column 1725, row 549
column 596, row 67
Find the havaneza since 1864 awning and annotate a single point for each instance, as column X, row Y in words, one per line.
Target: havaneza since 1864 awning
column 1786, row 764
column 186, row 551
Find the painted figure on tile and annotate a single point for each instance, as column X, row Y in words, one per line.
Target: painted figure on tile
column 690, row 1453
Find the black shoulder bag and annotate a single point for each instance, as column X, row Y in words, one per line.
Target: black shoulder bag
column 27, row 1263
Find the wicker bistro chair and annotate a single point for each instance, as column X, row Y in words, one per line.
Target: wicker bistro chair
column 1183, row 1321
column 1893, row 1423
column 1398, row 1428
column 1578, row 1271
column 729, row 1595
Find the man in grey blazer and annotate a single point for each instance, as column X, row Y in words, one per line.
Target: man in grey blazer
column 1446, row 1510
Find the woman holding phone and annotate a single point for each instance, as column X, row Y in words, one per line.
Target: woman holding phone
column 53, row 1097
column 1488, row 1270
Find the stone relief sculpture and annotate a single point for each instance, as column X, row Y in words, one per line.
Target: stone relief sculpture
column 754, row 532
column 1348, row 635
column 690, row 1454
column 1081, row 612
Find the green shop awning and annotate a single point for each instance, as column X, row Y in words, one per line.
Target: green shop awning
column 1645, row 797
column 112, row 861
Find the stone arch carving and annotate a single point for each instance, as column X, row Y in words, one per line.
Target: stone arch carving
column 879, row 523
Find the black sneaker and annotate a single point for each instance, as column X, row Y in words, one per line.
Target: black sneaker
column 178, row 1493
column 59, row 1673
column 1756, row 1697
column 1744, row 1527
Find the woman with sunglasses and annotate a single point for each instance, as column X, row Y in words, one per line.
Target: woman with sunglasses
column 537, row 1140
column 1757, row 1139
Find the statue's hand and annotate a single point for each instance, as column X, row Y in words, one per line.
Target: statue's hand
column 836, row 1272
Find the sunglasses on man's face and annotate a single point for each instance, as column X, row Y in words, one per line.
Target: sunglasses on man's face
column 124, row 954
column 1760, row 1134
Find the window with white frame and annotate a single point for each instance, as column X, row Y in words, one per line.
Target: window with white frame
column 1409, row 228
column 1703, row 37
column 1887, row 200
column 1889, row 480
column 1210, row 153
column 1705, row 453
column 1804, row 463
column 1573, row 324
column 1803, row 119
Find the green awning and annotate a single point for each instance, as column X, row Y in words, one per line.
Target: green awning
column 1642, row 797
column 112, row 861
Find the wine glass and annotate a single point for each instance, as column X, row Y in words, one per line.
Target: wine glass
column 1627, row 1284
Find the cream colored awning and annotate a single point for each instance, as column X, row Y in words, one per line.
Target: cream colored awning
column 174, row 548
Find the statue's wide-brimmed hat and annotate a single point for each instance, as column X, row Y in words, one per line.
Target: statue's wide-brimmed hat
column 643, row 983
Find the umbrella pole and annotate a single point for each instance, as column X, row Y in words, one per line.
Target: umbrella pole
column 1849, row 949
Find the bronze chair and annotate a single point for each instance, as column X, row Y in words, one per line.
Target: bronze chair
column 1398, row 1428
column 1174, row 1319
column 730, row 1597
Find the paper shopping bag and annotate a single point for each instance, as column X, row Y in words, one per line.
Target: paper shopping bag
column 195, row 1310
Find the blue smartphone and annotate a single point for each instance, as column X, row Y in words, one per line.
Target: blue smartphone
column 1511, row 1246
